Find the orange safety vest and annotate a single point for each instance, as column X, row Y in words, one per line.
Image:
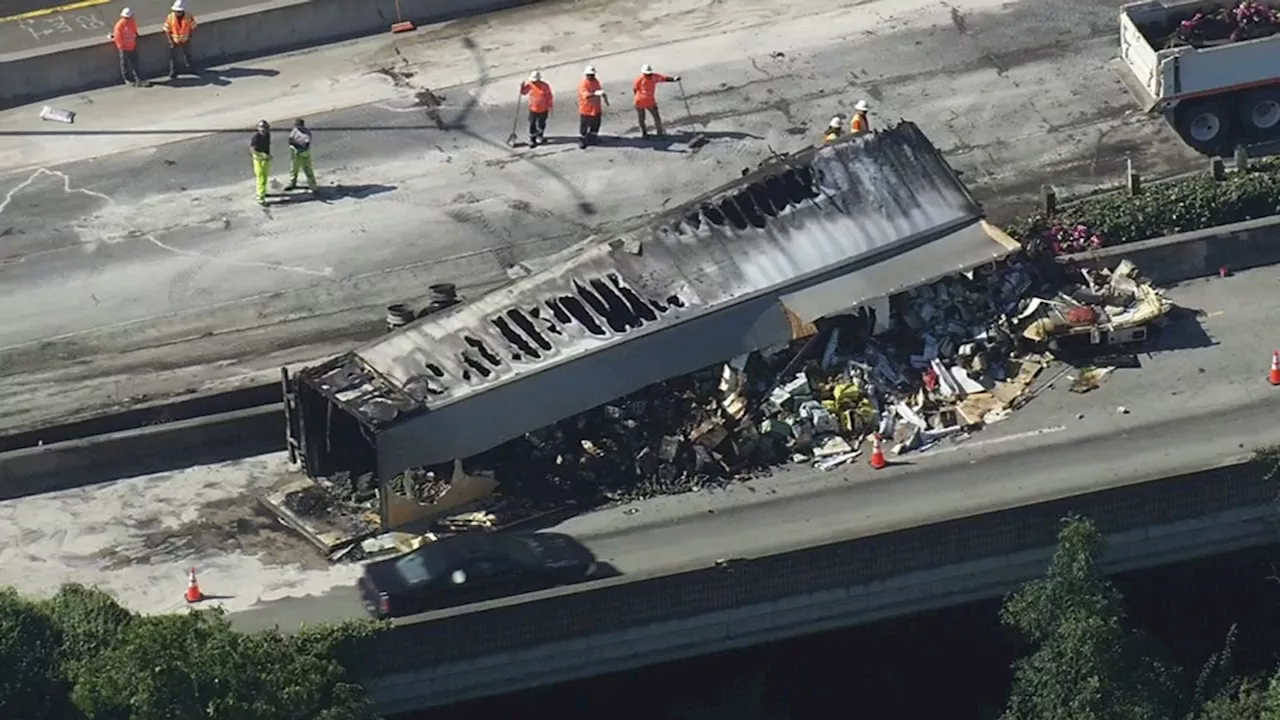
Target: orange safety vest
column 539, row 93
column 859, row 124
column 588, row 103
column 125, row 34
column 646, row 90
column 179, row 29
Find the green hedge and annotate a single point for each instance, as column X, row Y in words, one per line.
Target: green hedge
column 1167, row 208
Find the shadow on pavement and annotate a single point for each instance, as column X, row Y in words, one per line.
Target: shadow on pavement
column 220, row 78
column 327, row 194
column 1182, row 330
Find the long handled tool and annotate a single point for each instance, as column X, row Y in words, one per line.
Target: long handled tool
column 515, row 122
column 698, row 139
column 401, row 25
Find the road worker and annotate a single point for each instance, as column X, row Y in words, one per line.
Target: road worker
column 300, row 156
column 125, row 36
column 859, row 124
column 260, row 149
column 645, row 90
column 540, row 104
column 833, row 131
column 591, row 99
column 178, row 27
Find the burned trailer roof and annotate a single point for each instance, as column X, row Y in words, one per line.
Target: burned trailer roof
column 690, row 287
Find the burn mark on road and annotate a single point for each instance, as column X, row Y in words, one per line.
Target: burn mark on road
column 236, row 525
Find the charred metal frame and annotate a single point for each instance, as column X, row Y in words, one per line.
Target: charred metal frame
column 714, row 278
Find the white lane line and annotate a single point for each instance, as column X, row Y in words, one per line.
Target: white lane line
column 974, row 444
column 66, row 187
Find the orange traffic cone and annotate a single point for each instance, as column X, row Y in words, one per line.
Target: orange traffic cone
column 1274, row 377
column 877, row 454
column 193, row 588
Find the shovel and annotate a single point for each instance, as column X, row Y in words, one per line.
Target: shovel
column 698, row 139
column 515, row 122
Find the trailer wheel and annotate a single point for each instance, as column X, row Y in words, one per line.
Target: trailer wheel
column 1206, row 126
column 1260, row 112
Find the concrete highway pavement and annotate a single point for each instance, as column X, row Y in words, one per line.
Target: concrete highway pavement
column 1200, row 397
column 932, row 489
column 156, row 265
column 137, row 538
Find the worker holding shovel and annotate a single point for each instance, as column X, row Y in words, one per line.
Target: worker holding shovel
column 591, row 101
column 645, row 90
column 540, row 105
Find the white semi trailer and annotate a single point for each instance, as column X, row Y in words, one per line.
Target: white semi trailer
column 1218, row 94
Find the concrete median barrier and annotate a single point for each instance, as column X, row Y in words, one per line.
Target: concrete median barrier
column 223, row 37
column 1171, row 259
column 141, row 451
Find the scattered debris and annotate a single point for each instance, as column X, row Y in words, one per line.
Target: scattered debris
column 1089, row 379
column 1109, row 308
column 421, row 486
column 927, row 366
column 53, row 114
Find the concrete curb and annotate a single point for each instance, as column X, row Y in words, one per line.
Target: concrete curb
column 173, row 410
column 230, row 36
column 1175, row 258
column 141, row 451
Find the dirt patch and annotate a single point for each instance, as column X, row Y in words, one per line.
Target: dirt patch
column 239, row 525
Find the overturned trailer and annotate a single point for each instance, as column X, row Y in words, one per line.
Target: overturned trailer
column 745, row 267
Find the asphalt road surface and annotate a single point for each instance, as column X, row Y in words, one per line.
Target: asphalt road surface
column 933, row 489
column 156, row 274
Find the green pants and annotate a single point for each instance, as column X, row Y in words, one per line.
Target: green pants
column 302, row 163
column 261, row 169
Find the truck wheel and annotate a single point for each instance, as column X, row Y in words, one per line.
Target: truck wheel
column 1206, row 126
column 1260, row 113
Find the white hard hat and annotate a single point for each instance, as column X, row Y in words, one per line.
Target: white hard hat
column 126, row 13
column 647, row 69
column 590, row 70
column 178, row 6
column 836, row 122
column 861, row 106
column 535, row 76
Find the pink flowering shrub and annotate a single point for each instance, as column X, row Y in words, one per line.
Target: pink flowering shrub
column 1067, row 239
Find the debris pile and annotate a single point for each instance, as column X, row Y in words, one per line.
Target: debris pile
column 421, row 486
column 933, row 363
column 343, row 500
column 1110, row 307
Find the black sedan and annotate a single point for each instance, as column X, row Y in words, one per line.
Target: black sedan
column 469, row 568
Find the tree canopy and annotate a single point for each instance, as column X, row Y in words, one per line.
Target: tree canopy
column 81, row 656
column 1087, row 664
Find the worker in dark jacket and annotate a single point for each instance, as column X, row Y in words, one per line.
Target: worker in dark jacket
column 260, row 148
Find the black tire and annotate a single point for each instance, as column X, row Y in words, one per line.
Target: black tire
column 1259, row 113
column 1208, row 126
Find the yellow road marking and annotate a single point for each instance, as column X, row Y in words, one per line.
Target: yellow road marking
column 54, row 10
